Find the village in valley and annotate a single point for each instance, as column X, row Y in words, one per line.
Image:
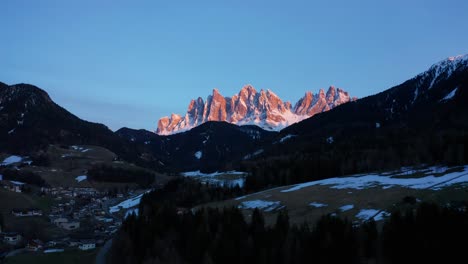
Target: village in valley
column 81, row 216
column 48, row 219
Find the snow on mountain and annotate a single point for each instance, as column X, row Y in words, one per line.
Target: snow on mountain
column 450, row 95
column 249, row 107
column 439, row 72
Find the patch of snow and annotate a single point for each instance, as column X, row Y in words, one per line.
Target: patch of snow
column 85, row 150
column 450, row 95
column 377, row 215
column 256, row 153
column 81, row 178
column 380, row 216
column 129, row 203
column 198, row 154
column 347, row 207
column 214, row 174
column 53, row 250
column 17, row 183
column 360, row 182
column 287, row 137
column 12, row 159
column 11, row 131
column 266, row 206
column 330, row 140
column 377, row 125
column 216, row 177
column 131, row 211
column 317, row 205
column 366, row 214
column 147, row 142
column 463, row 179
column 237, row 199
column 416, row 93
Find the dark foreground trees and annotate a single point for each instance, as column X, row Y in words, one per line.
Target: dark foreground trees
column 164, row 234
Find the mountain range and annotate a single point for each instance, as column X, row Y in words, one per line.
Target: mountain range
column 249, row 107
column 424, row 119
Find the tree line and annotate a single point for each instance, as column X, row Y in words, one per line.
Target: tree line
column 105, row 173
column 162, row 234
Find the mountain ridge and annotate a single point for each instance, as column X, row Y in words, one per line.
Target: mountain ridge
column 251, row 107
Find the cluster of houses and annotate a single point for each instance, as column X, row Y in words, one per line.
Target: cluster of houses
column 14, row 239
column 69, row 192
column 76, row 211
column 12, row 186
column 26, row 212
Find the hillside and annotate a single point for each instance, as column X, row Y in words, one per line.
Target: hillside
column 357, row 197
column 423, row 120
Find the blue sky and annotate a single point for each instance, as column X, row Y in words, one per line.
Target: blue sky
column 127, row 63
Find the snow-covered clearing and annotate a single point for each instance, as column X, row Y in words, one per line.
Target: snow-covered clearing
column 131, row 211
column 129, row 203
column 366, row 214
column 317, row 205
column 81, row 178
column 12, row 159
column 347, row 207
column 228, row 178
column 266, row 206
column 375, row 180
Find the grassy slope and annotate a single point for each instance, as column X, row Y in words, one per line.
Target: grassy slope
column 297, row 202
column 68, row 163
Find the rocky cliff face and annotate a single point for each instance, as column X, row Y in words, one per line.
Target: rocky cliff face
column 250, row 107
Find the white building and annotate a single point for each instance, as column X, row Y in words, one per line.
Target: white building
column 12, row 238
column 87, row 245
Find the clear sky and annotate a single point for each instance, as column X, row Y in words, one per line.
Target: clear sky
column 127, row 63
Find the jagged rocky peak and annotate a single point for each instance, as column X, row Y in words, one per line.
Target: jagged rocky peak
column 251, row 107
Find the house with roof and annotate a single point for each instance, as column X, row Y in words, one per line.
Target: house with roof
column 87, row 245
column 34, row 245
column 26, row 212
column 12, row 238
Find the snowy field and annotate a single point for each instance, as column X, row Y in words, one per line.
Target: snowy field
column 12, row 159
column 373, row 180
column 129, row 203
column 266, row 206
column 357, row 197
column 367, row 214
column 81, row 178
column 228, row 178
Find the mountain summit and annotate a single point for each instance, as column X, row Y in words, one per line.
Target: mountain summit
column 250, row 107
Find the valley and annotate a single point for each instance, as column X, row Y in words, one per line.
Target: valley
column 69, row 186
